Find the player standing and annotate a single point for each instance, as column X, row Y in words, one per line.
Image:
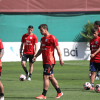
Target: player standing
column 95, row 55
column 29, row 40
column 1, row 54
column 48, row 44
column 97, row 26
column 1, row 85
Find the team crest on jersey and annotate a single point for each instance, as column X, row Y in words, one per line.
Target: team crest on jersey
column 25, row 37
column 45, row 40
column 96, row 42
column 30, row 37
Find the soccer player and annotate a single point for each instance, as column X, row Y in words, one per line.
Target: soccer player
column 29, row 40
column 1, row 54
column 1, row 85
column 97, row 26
column 48, row 44
column 1, row 91
column 95, row 55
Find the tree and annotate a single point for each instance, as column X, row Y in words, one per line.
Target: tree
column 87, row 31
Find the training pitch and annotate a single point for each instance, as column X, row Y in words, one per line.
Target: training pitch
column 70, row 77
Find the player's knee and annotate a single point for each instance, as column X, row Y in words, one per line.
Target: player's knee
column 51, row 77
column 1, row 85
column 31, row 64
column 22, row 63
column 45, row 76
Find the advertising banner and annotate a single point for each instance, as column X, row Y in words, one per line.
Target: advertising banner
column 69, row 51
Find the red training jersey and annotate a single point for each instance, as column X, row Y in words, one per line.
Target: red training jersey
column 29, row 42
column 47, row 45
column 1, row 47
column 99, row 32
column 94, row 45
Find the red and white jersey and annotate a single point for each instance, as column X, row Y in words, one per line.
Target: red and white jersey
column 99, row 32
column 1, row 47
column 29, row 42
column 48, row 45
column 1, row 44
column 94, row 45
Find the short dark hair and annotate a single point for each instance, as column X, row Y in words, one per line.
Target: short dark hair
column 94, row 30
column 97, row 23
column 30, row 26
column 44, row 26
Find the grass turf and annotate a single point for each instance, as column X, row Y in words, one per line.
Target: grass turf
column 70, row 77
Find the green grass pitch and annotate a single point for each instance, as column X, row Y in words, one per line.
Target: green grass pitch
column 70, row 77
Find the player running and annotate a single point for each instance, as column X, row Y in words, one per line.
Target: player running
column 95, row 55
column 48, row 44
column 1, row 85
column 29, row 40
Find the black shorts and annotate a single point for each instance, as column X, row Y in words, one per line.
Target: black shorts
column 48, row 69
column 94, row 66
column 25, row 57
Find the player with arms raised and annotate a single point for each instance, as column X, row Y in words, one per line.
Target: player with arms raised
column 29, row 40
column 48, row 44
column 95, row 55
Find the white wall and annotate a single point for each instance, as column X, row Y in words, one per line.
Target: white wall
column 69, row 50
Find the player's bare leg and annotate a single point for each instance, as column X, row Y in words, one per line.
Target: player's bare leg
column 97, row 75
column 54, row 81
column 55, row 84
column 24, row 67
column 1, row 92
column 0, row 71
column 45, row 87
column 30, row 70
column 46, row 82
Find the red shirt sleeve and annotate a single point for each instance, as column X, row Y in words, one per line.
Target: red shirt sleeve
column 99, row 42
column 55, row 41
column 23, row 39
column 40, row 43
column 36, row 40
column 1, row 44
column 90, row 45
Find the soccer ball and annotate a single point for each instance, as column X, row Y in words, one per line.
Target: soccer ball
column 89, row 75
column 87, row 86
column 97, row 88
column 22, row 77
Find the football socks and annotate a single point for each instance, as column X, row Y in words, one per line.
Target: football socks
column 92, row 84
column 1, row 94
column 44, row 92
column 58, row 90
column 25, row 69
column 30, row 75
